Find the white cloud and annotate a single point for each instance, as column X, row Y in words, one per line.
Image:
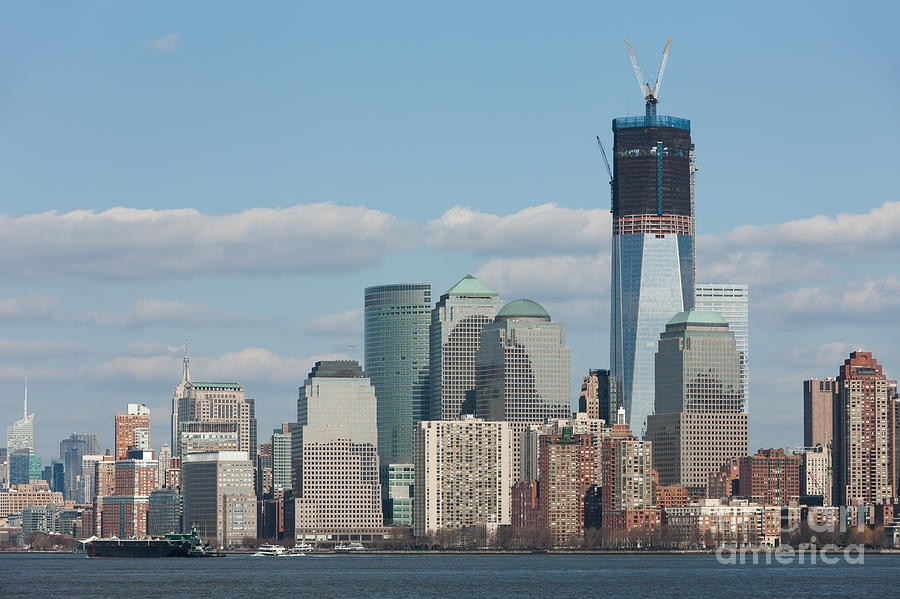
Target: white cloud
column 12, row 349
column 757, row 268
column 17, row 374
column 127, row 243
column 163, row 44
column 534, row 231
column 30, row 307
column 548, row 277
column 349, row 322
column 148, row 348
column 823, row 358
column 862, row 299
column 147, row 312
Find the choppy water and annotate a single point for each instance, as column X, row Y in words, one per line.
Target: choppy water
column 470, row 576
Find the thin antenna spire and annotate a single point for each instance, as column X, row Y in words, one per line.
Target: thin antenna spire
column 26, row 397
column 186, row 373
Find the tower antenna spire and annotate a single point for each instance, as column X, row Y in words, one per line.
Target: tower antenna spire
column 186, row 372
column 26, row 397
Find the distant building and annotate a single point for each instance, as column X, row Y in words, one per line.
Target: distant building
column 104, row 486
column 522, row 370
column 713, row 522
column 218, row 496
column 132, row 430
column 397, row 322
column 163, row 512
column 815, row 473
column 818, row 405
column 24, row 467
column 281, row 458
column 456, row 324
column 164, row 460
column 722, row 483
column 732, row 303
column 20, row 435
column 699, row 421
column 863, row 433
column 401, row 481
column 668, row 496
column 770, row 477
column 17, row 497
column 264, row 470
column 338, row 488
column 205, row 437
column 463, row 474
column 568, row 468
column 598, row 397
column 124, row 513
column 627, row 465
column 85, row 491
column 530, row 442
column 71, row 451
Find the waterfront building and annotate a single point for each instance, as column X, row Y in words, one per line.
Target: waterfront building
column 815, row 473
column 218, row 496
column 818, row 405
column 598, row 397
column 16, row 498
column 337, row 486
column 456, row 324
column 71, row 452
column 652, row 248
column 397, row 321
column 463, row 474
column 132, row 430
column 525, row 505
column 198, row 401
column 401, row 481
column 522, row 370
column 163, row 512
column 733, row 521
column 20, row 435
column 568, row 468
column 698, row 424
column 731, row 302
column 863, row 431
column 770, row 477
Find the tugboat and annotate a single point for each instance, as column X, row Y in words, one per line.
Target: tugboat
column 172, row 545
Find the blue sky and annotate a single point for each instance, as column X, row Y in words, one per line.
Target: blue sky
column 240, row 172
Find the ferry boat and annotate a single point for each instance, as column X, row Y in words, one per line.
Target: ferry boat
column 352, row 547
column 269, row 550
column 172, row 545
column 301, row 549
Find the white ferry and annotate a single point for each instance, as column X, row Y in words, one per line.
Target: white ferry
column 269, row 550
column 352, row 547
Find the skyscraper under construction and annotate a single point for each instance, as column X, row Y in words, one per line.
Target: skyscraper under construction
column 652, row 243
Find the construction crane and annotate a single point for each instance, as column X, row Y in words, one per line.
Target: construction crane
column 612, row 191
column 649, row 89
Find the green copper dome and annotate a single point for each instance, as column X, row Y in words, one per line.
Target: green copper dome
column 698, row 317
column 523, row 308
column 469, row 286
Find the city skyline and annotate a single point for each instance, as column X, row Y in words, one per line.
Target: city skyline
column 77, row 324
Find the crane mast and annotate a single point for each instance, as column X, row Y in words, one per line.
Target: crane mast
column 649, row 89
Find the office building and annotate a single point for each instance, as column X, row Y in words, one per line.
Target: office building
column 397, row 321
column 164, row 459
column 24, row 467
column 401, row 481
column 731, row 302
column 818, row 405
column 463, row 474
column 71, row 452
column 198, row 401
column 456, row 324
column 338, row 489
column 204, row 436
column 281, row 458
column 522, row 370
column 20, row 435
column 163, row 512
column 17, row 497
column 652, row 247
column 85, row 491
column 218, row 496
column 699, row 423
column 132, row 430
column 862, row 419
column 770, row 477
column 598, row 397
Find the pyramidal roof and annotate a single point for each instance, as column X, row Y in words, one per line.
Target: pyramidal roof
column 698, row 317
column 469, row 286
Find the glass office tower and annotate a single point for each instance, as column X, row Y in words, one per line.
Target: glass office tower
column 732, row 302
column 397, row 321
column 652, row 249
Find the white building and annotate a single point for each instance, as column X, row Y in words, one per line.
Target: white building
column 463, row 474
column 732, row 302
column 815, row 473
column 20, row 435
column 456, row 324
column 522, row 373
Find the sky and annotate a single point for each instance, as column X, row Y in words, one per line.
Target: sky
column 239, row 172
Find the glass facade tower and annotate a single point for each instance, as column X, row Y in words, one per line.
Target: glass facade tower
column 397, row 321
column 652, row 249
column 732, row 303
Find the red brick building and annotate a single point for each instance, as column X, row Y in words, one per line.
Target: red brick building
column 723, row 482
column 770, row 477
column 525, row 508
column 666, row 496
column 132, row 430
column 567, row 471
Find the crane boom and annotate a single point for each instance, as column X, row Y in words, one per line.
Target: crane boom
column 605, row 159
column 662, row 67
column 645, row 89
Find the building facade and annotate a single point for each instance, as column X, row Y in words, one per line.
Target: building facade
column 863, row 431
column 770, row 477
column 598, row 397
column 132, row 430
column 815, row 473
column 522, row 370
column 337, row 486
column 20, row 434
column 456, row 324
column 731, row 302
column 71, row 452
column 652, row 248
column 698, row 424
column 281, row 459
column 568, row 470
column 218, row 496
column 627, row 474
column 818, row 405
column 397, row 322
column 463, row 474
column 204, row 437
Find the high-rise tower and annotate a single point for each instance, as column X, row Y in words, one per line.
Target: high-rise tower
column 20, row 435
column 652, row 244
